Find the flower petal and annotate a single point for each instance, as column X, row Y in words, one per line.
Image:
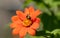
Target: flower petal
column 37, row 20
column 21, row 37
column 14, row 18
column 15, row 31
column 31, row 10
column 16, row 24
column 13, row 25
column 26, row 11
column 23, row 32
column 37, row 12
column 31, row 31
column 35, row 25
column 21, row 15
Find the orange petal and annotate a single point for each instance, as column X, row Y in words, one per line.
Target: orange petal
column 31, row 31
column 35, row 25
column 15, row 31
column 37, row 12
column 16, row 24
column 26, row 11
column 23, row 32
column 13, row 25
column 21, row 15
column 21, row 37
column 37, row 20
column 31, row 10
column 19, row 22
column 14, row 18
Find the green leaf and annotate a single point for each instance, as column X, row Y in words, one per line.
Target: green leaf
column 48, row 31
column 56, row 31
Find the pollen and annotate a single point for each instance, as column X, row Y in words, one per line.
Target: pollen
column 27, row 22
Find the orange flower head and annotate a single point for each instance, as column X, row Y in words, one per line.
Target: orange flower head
column 26, row 22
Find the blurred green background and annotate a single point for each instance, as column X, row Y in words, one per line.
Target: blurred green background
column 50, row 18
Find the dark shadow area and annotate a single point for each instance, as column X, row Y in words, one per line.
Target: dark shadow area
column 46, row 35
column 38, row 1
column 58, row 36
column 40, row 33
column 50, row 22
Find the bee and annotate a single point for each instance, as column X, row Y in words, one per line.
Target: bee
column 28, row 17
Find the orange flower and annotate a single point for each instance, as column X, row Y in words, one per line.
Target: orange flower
column 26, row 22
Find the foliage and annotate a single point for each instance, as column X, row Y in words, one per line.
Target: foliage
column 50, row 18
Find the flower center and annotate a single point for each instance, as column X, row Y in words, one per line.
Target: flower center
column 27, row 22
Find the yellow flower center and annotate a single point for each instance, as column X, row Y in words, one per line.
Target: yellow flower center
column 27, row 22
